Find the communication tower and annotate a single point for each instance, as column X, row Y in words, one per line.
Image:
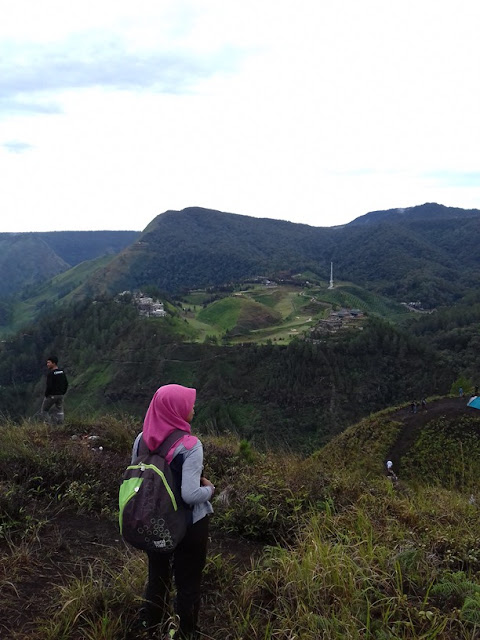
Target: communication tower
column 331, row 276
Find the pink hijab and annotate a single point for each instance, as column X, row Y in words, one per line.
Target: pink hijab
column 168, row 410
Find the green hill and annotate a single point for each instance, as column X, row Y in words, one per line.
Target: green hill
column 280, row 312
column 28, row 259
column 60, row 289
column 355, row 297
column 318, row 547
column 437, row 445
column 431, row 258
column 238, row 314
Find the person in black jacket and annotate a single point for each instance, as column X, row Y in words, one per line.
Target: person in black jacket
column 57, row 385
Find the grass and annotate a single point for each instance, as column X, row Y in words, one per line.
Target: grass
column 317, row 548
column 295, row 310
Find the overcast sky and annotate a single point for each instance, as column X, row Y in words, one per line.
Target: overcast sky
column 313, row 111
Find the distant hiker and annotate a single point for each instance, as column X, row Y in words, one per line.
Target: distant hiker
column 413, row 407
column 56, row 388
column 424, row 404
column 172, row 408
column 390, row 471
column 460, row 392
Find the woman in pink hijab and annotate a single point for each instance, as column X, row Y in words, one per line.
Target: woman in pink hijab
column 171, row 408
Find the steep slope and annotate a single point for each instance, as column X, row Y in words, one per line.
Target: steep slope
column 197, row 247
column 416, row 257
column 436, row 445
column 42, row 295
column 26, row 259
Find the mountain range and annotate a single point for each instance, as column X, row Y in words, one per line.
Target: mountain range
column 238, row 341
column 428, row 253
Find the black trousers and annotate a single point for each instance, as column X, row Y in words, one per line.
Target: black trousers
column 187, row 563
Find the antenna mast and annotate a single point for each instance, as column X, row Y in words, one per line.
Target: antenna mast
column 331, row 276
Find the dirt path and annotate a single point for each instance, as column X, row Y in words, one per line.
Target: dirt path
column 414, row 422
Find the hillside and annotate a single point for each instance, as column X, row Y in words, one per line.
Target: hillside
column 20, row 311
column 27, row 259
column 318, row 548
column 238, row 315
column 297, row 392
column 436, row 444
column 201, row 247
column 432, row 258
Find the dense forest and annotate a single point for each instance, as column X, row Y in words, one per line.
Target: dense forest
column 301, row 393
column 428, row 255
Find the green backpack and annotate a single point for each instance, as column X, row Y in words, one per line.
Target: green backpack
column 153, row 516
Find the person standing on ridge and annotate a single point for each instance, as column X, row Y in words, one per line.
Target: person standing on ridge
column 56, row 388
column 172, row 408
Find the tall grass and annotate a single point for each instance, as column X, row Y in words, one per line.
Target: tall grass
column 339, row 551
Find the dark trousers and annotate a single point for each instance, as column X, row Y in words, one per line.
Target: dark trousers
column 57, row 415
column 187, row 562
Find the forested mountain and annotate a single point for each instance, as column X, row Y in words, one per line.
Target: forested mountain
column 77, row 246
column 428, row 212
column 302, row 391
column 429, row 254
column 201, row 247
column 24, row 260
column 32, row 258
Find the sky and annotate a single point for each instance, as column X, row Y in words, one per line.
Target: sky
column 314, row 111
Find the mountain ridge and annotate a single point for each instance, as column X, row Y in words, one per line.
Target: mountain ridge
column 198, row 247
column 31, row 258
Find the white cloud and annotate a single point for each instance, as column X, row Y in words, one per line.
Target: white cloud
column 314, row 112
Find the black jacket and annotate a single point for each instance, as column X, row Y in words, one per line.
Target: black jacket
column 57, row 383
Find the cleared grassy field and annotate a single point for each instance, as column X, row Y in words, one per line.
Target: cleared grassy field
column 295, row 310
column 351, row 296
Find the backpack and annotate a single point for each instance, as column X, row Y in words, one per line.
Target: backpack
column 153, row 516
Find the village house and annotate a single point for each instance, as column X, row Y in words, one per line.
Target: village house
column 146, row 305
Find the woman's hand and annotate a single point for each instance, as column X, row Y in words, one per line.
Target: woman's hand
column 204, row 482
